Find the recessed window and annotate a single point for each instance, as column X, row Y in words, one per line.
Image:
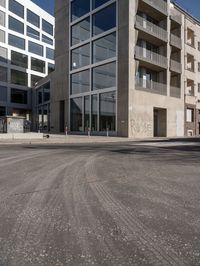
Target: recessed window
column 18, row 96
column 47, row 27
column 32, row 33
column 34, row 80
column 49, row 53
column 3, row 74
column 97, row 3
column 3, row 3
column 3, row 54
column 3, row 94
column 104, row 48
column 51, row 68
column 2, row 18
column 81, row 56
column 47, row 39
column 190, row 115
column 16, row 25
column 37, row 65
column 79, row 8
column 16, row 41
column 33, row 18
column 104, row 20
column 46, row 92
column 81, row 31
column 104, row 76
column 2, row 36
column 35, row 48
column 80, row 82
column 19, row 59
column 19, row 77
column 16, row 8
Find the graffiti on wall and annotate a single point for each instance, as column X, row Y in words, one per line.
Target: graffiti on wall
column 142, row 125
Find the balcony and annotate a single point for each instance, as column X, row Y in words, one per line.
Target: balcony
column 150, row 28
column 158, row 5
column 175, row 16
column 175, row 92
column 150, row 57
column 175, row 66
column 150, row 86
column 175, row 41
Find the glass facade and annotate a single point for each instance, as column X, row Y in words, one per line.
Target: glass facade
column 93, row 89
column 19, row 77
column 16, row 25
column 49, row 53
column 37, row 65
column 3, row 54
column 19, row 59
column 34, row 80
column 2, row 36
column 35, row 48
column 2, row 18
column 3, row 74
column 16, row 8
column 47, row 27
column 33, row 18
column 47, row 39
column 32, row 33
column 16, row 41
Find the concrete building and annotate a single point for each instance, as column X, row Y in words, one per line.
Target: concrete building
column 120, row 66
column 26, row 53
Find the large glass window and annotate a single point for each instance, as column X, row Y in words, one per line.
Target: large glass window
column 16, row 41
column 3, row 54
column 104, row 76
column 94, row 112
column 104, row 20
column 2, row 18
column 107, row 111
column 104, row 48
column 80, row 31
column 49, row 53
column 97, row 3
column 76, row 114
column 39, row 96
column 19, row 59
column 3, row 3
column 80, row 82
column 3, row 74
column 86, row 113
column 33, row 18
column 19, row 96
column 37, row 65
column 47, row 27
column 81, row 57
column 16, row 25
column 19, row 77
column 32, row 33
column 47, row 39
column 79, row 8
column 51, row 68
column 16, row 8
column 35, row 48
column 2, row 36
column 3, row 94
column 34, row 80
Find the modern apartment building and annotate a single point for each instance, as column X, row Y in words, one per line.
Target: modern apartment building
column 26, row 53
column 121, row 68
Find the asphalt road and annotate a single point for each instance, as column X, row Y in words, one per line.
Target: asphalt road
column 100, row 204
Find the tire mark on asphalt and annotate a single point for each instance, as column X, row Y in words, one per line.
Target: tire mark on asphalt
column 158, row 253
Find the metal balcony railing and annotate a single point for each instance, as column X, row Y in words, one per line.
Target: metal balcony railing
column 143, row 24
column 160, row 5
column 175, row 66
column 151, row 57
column 175, row 41
column 150, row 86
column 175, row 92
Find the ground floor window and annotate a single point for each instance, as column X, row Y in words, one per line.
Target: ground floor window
column 95, row 112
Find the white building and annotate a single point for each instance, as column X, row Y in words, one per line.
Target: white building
column 26, row 53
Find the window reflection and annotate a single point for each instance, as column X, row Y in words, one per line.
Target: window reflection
column 107, row 111
column 76, row 114
column 81, row 57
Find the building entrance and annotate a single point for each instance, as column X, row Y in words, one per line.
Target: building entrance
column 160, row 122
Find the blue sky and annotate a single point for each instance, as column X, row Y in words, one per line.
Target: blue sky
column 47, row 5
column 192, row 6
